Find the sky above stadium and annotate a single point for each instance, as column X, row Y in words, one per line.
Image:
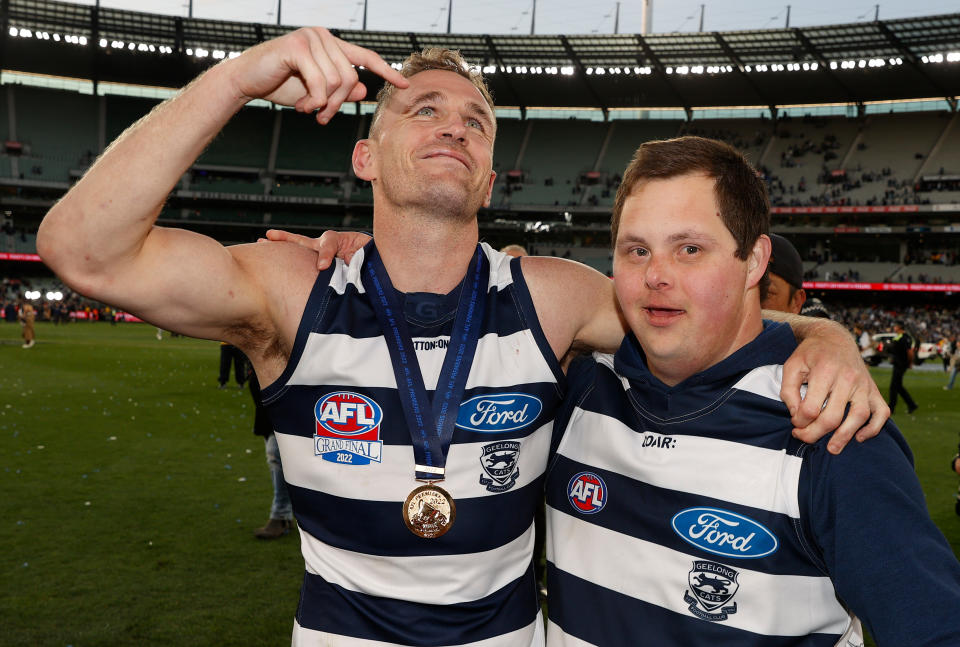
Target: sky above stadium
column 552, row 16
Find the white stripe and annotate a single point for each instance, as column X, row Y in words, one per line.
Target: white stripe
column 344, row 275
column 427, row 579
column 557, row 637
column 392, row 479
column 529, row 636
column 346, row 361
column 763, row 381
column 686, row 463
column 658, row 575
column 500, row 274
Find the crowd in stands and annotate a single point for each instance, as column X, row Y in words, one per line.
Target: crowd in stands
column 929, row 323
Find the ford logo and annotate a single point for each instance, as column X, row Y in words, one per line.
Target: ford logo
column 725, row 533
column 498, row 412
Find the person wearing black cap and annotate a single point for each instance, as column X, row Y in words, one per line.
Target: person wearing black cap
column 785, row 293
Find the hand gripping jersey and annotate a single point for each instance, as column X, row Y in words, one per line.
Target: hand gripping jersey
column 690, row 516
column 349, row 464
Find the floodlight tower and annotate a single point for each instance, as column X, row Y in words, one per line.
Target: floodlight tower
column 646, row 24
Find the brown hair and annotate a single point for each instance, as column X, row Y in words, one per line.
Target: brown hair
column 432, row 58
column 740, row 193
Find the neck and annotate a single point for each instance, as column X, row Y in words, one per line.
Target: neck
column 422, row 253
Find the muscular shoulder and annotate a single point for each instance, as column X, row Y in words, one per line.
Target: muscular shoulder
column 576, row 304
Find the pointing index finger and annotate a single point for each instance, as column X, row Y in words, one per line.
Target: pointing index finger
column 373, row 62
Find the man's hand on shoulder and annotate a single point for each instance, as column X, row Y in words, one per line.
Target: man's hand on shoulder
column 829, row 363
column 330, row 245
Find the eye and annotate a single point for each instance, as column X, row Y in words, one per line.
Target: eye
column 690, row 250
column 639, row 251
column 425, row 110
column 475, row 123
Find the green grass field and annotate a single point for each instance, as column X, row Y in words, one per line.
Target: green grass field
column 131, row 484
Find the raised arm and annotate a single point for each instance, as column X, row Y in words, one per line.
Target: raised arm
column 101, row 239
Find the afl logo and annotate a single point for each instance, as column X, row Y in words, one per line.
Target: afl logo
column 493, row 413
column 587, row 493
column 349, row 415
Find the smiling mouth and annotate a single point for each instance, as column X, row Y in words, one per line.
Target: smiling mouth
column 448, row 155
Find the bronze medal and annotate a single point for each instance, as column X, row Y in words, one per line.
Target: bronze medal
column 429, row 511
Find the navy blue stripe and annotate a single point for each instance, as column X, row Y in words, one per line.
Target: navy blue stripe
column 352, row 314
column 644, row 511
column 610, row 619
column 747, row 418
column 529, row 319
column 377, row 527
column 312, row 313
column 294, row 414
column 331, row 608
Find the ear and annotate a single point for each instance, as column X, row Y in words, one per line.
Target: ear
column 486, row 199
column 799, row 298
column 363, row 166
column 757, row 260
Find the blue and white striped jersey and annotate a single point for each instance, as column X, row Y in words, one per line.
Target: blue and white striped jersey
column 348, row 461
column 690, row 516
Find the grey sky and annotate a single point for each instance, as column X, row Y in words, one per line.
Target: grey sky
column 552, row 16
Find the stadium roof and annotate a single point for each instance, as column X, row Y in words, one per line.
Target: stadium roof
column 906, row 58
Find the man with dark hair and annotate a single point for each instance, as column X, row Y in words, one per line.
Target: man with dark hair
column 902, row 352
column 785, row 292
column 412, row 468
column 680, row 509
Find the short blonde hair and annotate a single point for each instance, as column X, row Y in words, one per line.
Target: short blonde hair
column 432, row 58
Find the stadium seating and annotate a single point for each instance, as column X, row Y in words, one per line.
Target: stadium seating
column 555, row 154
column 245, row 141
column 58, row 130
column 305, row 145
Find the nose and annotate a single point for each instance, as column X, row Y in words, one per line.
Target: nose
column 657, row 272
column 453, row 128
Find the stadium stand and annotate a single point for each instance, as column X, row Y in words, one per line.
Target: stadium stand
column 47, row 125
column 122, row 111
column 304, row 145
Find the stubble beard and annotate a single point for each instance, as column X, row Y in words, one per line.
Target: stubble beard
column 437, row 200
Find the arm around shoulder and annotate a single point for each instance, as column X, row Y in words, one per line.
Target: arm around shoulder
column 576, row 305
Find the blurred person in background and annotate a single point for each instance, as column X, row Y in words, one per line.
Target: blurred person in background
column 864, row 341
column 27, row 317
column 901, row 355
column 281, row 509
column 814, row 307
column 953, row 360
column 786, row 293
column 229, row 354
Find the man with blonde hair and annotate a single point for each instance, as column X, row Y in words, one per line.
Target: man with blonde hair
column 412, row 390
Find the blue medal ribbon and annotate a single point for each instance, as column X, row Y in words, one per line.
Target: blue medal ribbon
column 431, row 421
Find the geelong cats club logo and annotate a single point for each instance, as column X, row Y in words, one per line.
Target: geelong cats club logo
column 499, row 461
column 713, row 586
column 348, row 429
